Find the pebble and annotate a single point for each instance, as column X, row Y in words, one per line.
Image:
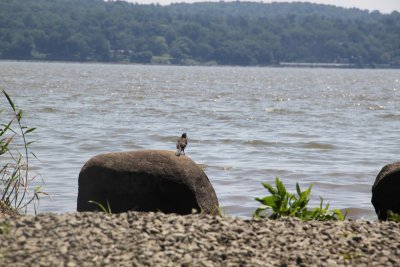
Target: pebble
column 157, row 239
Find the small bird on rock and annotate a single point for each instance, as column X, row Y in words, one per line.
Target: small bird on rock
column 181, row 145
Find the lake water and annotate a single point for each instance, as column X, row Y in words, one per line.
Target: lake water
column 333, row 128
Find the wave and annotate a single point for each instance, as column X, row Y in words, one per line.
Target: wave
column 308, row 145
column 281, row 111
column 260, row 143
column 49, row 110
column 390, row 116
column 224, row 168
column 165, row 138
column 316, row 145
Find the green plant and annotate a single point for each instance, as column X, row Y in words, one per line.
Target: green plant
column 101, row 206
column 281, row 203
column 351, row 256
column 4, row 229
column 392, row 216
column 14, row 166
column 324, row 214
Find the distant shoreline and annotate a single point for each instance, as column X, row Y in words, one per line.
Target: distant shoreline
column 279, row 65
column 235, row 33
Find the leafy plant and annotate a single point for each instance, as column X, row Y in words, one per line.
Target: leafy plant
column 281, row 203
column 14, row 165
column 392, row 216
column 101, row 206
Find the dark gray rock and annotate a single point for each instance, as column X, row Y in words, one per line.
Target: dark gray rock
column 386, row 191
column 148, row 180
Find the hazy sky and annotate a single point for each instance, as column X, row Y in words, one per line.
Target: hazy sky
column 385, row 6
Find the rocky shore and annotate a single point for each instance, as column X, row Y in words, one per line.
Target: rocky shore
column 156, row 239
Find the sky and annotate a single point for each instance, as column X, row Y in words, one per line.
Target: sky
column 384, row 6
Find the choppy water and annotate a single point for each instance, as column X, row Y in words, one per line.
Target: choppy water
column 333, row 128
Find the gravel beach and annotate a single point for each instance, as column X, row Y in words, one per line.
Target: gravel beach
column 156, row 239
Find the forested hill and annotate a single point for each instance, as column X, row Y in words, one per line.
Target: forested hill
column 227, row 33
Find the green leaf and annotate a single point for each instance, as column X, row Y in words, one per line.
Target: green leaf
column 6, row 128
column 267, row 201
column 37, row 189
column 270, row 188
column 281, row 188
column 29, row 143
column 105, row 210
column 257, row 212
column 19, row 115
column 8, row 99
column 339, row 215
column 298, row 189
column 30, row 130
column 109, row 207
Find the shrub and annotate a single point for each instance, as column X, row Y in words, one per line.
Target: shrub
column 15, row 179
column 281, row 203
column 392, row 216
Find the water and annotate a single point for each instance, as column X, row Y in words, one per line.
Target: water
column 334, row 128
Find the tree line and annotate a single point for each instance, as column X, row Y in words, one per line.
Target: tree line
column 225, row 33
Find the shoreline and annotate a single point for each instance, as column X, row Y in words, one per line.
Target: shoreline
column 157, row 239
column 291, row 65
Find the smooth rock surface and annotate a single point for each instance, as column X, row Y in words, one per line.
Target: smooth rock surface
column 148, row 180
column 386, row 191
column 157, row 239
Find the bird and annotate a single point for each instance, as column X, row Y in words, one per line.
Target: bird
column 181, row 145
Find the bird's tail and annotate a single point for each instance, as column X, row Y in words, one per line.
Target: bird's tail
column 178, row 152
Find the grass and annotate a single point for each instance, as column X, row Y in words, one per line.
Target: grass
column 102, row 207
column 280, row 203
column 15, row 181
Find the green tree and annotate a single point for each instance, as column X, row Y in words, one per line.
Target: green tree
column 181, row 49
column 238, row 33
column 21, row 46
column 142, row 57
column 158, row 45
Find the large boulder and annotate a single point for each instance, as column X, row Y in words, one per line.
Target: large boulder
column 149, row 180
column 386, row 191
